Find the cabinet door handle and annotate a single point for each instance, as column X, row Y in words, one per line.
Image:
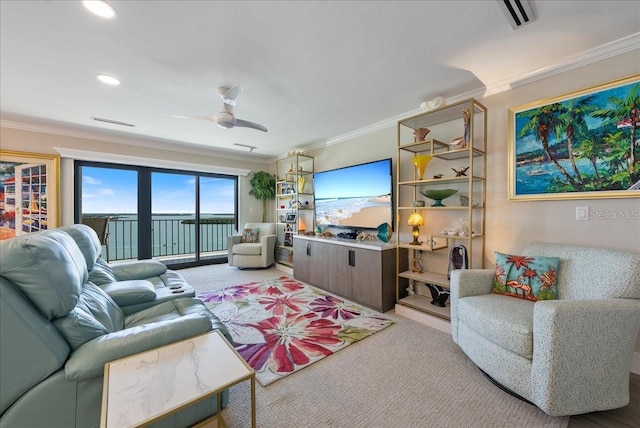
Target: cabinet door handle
column 352, row 258
column 308, row 249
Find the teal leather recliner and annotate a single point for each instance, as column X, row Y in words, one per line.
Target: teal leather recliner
column 57, row 329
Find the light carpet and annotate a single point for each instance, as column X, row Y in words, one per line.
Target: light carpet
column 408, row 375
column 280, row 326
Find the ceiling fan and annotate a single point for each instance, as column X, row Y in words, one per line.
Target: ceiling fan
column 226, row 119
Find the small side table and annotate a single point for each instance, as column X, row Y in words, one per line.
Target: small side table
column 144, row 387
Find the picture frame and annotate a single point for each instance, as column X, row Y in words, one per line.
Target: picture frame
column 290, row 218
column 34, row 205
column 288, row 239
column 581, row 145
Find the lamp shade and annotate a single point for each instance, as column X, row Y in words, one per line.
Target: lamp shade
column 415, row 219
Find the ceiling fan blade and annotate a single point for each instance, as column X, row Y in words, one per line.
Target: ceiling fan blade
column 230, row 97
column 247, row 124
column 179, row 116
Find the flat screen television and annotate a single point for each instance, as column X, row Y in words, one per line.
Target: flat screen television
column 356, row 197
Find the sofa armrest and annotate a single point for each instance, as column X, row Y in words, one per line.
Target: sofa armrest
column 132, row 292
column 471, row 282
column 139, row 269
column 583, row 346
column 233, row 240
column 269, row 243
column 464, row 283
column 89, row 359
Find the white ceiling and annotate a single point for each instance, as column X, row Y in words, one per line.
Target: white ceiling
column 313, row 71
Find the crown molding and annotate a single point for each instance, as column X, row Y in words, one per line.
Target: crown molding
column 130, row 139
column 618, row 47
column 92, row 156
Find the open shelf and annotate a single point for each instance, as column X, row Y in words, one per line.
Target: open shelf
column 423, row 303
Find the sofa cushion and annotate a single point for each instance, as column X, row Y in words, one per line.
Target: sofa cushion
column 526, row 277
column 250, row 235
column 248, row 249
column 505, row 321
column 102, row 273
column 48, row 267
column 126, row 293
column 87, row 241
column 94, row 315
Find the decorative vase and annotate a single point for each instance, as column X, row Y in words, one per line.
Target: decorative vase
column 301, row 182
column 420, row 133
column 384, row 232
column 438, row 195
column 421, row 161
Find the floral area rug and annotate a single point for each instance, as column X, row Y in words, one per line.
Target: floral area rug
column 281, row 326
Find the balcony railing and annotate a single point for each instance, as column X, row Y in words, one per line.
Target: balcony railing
column 170, row 236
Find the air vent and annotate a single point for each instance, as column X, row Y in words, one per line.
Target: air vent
column 113, row 122
column 251, row 148
column 518, row 12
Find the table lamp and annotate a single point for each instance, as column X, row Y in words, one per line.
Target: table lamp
column 415, row 220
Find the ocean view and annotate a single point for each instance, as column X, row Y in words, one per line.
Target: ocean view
column 172, row 234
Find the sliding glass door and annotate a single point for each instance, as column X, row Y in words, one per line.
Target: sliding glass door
column 182, row 218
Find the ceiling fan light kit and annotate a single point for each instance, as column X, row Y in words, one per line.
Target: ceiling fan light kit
column 226, row 119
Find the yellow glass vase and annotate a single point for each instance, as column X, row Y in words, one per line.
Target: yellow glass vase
column 301, row 182
column 421, row 161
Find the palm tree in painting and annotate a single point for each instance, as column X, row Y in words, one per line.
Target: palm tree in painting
column 544, row 122
column 572, row 122
column 625, row 113
column 590, row 150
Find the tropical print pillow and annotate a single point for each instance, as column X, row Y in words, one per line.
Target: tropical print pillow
column 526, row 277
column 251, row 235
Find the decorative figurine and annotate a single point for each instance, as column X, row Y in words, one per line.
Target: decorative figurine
column 438, row 176
column 438, row 294
column 457, row 259
column 417, row 264
column 462, row 172
column 467, row 125
column 420, row 133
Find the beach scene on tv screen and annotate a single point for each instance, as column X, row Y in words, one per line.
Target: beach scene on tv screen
column 358, row 196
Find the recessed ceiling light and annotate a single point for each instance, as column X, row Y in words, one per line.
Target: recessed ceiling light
column 109, row 80
column 100, row 8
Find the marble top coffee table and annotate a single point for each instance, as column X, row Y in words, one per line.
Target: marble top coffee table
column 142, row 388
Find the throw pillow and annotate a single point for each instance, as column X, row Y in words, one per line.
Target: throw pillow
column 527, row 277
column 251, row 235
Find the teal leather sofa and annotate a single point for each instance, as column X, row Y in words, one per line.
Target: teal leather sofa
column 567, row 356
column 58, row 329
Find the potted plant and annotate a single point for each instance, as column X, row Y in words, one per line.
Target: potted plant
column 263, row 187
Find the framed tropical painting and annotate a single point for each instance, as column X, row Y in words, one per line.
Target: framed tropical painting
column 582, row 145
column 29, row 193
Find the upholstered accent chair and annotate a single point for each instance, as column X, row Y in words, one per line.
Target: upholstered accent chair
column 254, row 247
column 567, row 356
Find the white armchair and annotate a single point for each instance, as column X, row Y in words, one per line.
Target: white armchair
column 259, row 254
column 567, row 356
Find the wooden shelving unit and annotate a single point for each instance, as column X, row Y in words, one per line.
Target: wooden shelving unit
column 295, row 203
column 445, row 124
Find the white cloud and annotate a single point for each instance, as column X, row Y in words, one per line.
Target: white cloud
column 90, row 180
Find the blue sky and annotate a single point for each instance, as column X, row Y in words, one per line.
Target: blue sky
column 371, row 179
column 110, row 191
